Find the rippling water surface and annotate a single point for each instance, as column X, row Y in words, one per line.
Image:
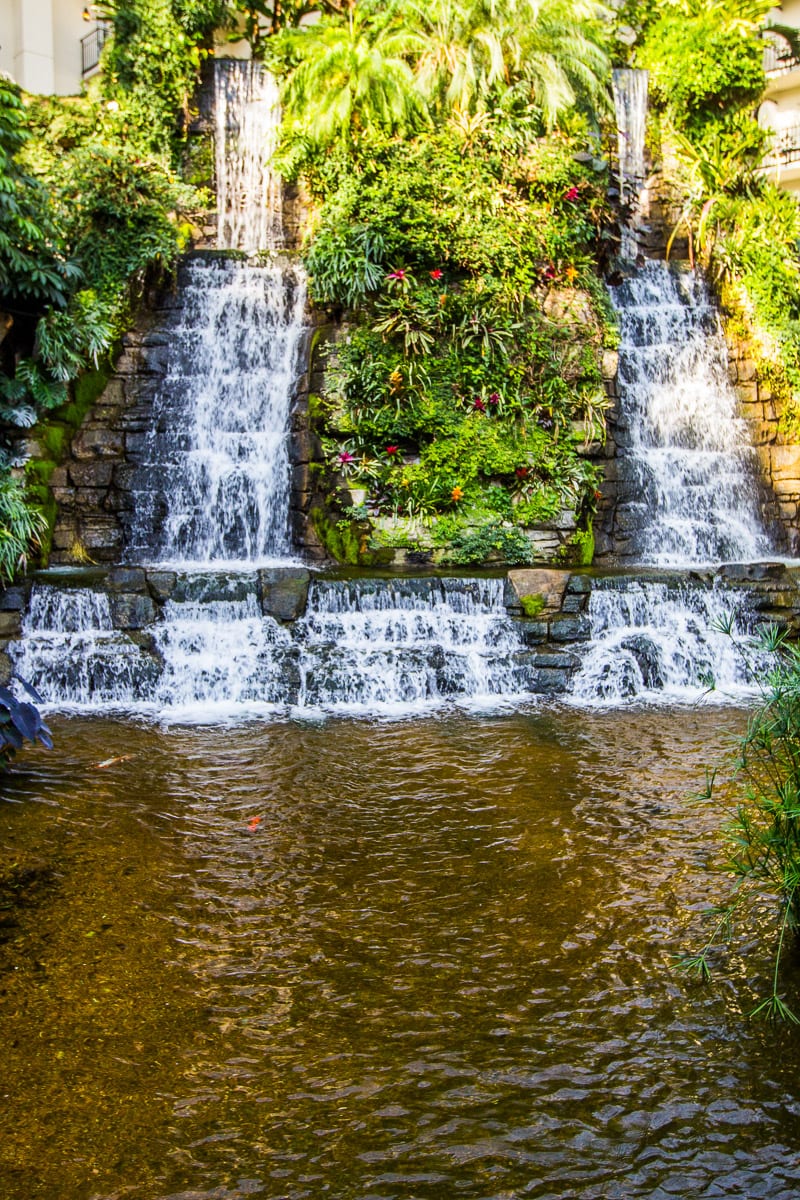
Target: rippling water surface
column 426, row 959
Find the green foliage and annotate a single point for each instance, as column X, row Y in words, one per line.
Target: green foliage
column 350, row 77
column 764, row 837
column 453, row 391
column 33, row 266
column 490, row 541
column 532, row 604
column 704, row 64
column 20, row 527
column 150, row 65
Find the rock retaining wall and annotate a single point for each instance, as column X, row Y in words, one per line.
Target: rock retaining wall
column 778, row 455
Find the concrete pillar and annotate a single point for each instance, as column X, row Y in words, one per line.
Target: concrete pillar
column 34, row 62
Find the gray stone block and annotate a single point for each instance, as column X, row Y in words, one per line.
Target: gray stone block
column 569, row 629
column 284, row 592
column 131, row 611
column 127, row 579
column 161, row 584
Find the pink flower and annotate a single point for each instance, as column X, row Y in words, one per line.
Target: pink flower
column 346, row 457
column 399, row 275
column 479, row 405
column 571, row 193
column 436, row 275
column 494, row 398
column 549, row 272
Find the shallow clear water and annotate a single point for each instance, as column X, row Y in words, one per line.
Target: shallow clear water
column 368, row 961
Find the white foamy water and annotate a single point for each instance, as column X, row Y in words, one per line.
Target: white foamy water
column 249, row 194
column 368, row 646
column 212, row 483
column 688, row 491
column 666, row 642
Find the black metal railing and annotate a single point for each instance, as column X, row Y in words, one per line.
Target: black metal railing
column 779, row 58
column 785, row 147
column 92, row 44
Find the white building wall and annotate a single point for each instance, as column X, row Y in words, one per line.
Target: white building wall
column 40, row 43
column 8, row 35
column 68, row 29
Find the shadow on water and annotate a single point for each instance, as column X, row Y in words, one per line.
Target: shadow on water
column 372, row 961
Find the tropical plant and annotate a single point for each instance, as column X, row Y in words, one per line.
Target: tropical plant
column 20, row 527
column 33, row 266
column 764, row 836
column 351, row 76
column 550, row 52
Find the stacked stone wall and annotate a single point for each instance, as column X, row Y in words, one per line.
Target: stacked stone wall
column 778, row 455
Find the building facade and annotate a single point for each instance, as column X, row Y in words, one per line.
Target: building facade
column 780, row 108
column 49, row 46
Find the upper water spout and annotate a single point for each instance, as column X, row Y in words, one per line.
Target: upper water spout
column 249, row 197
column 630, row 102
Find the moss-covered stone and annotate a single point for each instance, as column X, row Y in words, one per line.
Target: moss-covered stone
column 348, row 541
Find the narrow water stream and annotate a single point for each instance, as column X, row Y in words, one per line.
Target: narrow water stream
column 356, row 959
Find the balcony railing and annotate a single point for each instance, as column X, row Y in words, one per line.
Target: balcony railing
column 785, row 148
column 92, row 44
column 779, row 58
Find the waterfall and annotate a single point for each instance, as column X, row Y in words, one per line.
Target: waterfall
column 212, row 480
column 386, row 643
column 687, row 486
column 364, row 646
column 249, row 198
column 630, row 105
column 70, row 645
column 666, row 641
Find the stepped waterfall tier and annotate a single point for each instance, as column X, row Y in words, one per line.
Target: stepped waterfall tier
column 671, row 640
column 363, row 645
column 687, row 483
column 212, row 481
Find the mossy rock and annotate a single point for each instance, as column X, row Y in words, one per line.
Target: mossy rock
column 532, row 604
column 348, row 541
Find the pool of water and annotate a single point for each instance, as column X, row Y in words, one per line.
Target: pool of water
column 380, row 961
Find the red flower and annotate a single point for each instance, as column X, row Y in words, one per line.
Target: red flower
column 521, row 472
column 399, row 275
column 436, row 275
column 494, row 398
column 390, row 450
column 571, row 193
column 479, row 405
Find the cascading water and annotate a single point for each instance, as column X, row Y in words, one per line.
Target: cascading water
column 630, row 105
column 363, row 645
column 667, row 641
column 249, row 194
column 687, row 480
column 212, row 480
column 686, row 495
column 212, row 483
